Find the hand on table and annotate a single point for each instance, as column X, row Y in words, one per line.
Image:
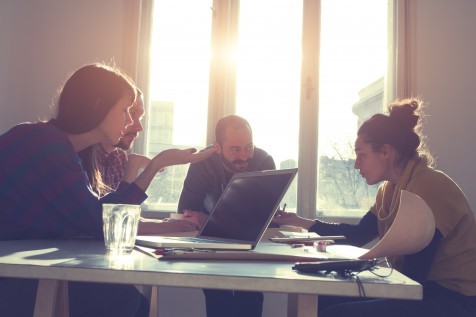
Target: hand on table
column 195, row 217
column 168, row 225
column 284, row 218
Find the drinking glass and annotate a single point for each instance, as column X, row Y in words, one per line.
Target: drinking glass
column 120, row 223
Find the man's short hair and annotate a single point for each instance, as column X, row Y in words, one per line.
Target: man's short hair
column 234, row 121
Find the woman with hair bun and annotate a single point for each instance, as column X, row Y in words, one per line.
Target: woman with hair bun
column 391, row 149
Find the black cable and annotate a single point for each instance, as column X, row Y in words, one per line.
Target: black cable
column 372, row 270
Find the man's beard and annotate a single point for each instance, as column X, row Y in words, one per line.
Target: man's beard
column 125, row 145
column 232, row 165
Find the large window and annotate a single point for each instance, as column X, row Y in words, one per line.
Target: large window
column 304, row 73
column 178, row 89
column 354, row 54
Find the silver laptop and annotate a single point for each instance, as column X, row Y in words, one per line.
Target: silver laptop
column 241, row 215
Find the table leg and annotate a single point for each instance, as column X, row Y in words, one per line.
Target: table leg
column 51, row 298
column 154, row 302
column 302, row 305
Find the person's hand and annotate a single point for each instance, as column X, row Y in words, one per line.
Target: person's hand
column 167, row 225
column 283, row 218
column 195, row 217
column 167, row 158
column 179, row 225
column 176, row 156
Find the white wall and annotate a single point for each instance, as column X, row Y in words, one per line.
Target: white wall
column 444, row 74
column 42, row 41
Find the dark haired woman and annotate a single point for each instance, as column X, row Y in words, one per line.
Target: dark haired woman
column 390, row 149
column 45, row 192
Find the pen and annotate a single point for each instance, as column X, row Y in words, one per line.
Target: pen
column 279, row 213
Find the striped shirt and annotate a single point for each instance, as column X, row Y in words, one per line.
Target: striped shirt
column 111, row 165
column 44, row 191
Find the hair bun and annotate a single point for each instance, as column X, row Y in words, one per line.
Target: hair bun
column 406, row 114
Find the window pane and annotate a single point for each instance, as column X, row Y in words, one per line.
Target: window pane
column 353, row 67
column 179, row 76
column 268, row 78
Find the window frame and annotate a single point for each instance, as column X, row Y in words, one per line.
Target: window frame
column 222, row 92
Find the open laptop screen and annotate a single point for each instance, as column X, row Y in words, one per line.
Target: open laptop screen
column 247, row 205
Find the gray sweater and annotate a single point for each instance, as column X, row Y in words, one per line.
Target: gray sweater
column 206, row 180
